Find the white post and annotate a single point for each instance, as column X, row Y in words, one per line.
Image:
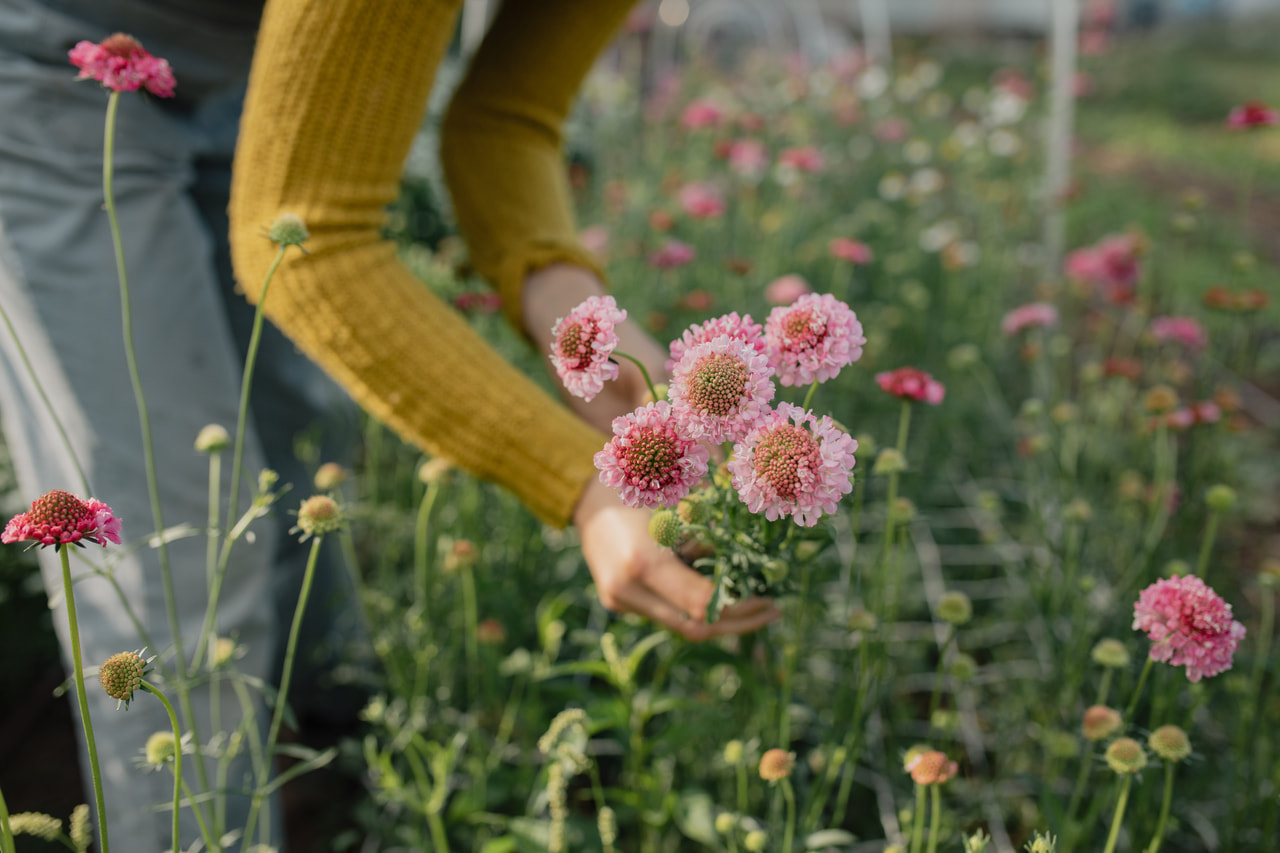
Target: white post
column 475, row 20
column 875, row 31
column 1064, row 23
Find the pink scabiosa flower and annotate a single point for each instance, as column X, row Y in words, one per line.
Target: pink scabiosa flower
column 1031, row 316
column 672, row 255
column 720, row 389
column 853, row 251
column 701, row 114
column 910, row 383
column 739, row 328
column 793, row 464
column 748, row 158
column 650, row 460
column 1112, row 263
column 1184, row 330
column 584, row 341
column 60, row 518
column 812, row 338
column 786, row 289
column 1188, row 624
column 1252, row 115
column 802, row 158
column 701, row 200
column 121, row 64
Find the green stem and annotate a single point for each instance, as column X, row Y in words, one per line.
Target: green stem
column 1165, row 802
column 935, row 815
column 643, row 371
column 937, row 677
column 177, row 759
column 742, row 787
column 439, row 840
column 6, row 834
column 277, row 715
column 1137, row 691
column 808, row 397
column 917, row 822
column 1077, row 792
column 1104, row 688
column 204, row 829
column 83, row 699
column 904, row 427
column 214, row 523
column 1119, row 816
column 470, row 623
column 421, row 549
column 1206, row 545
column 789, row 829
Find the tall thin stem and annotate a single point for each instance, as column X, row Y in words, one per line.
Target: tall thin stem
column 1206, row 544
column 1158, row 838
column 1137, row 691
column 789, row 830
column 935, row 817
column 643, row 371
column 177, row 758
column 83, row 700
column 917, row 822
column 1119, row 815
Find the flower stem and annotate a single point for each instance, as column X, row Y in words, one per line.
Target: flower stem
column 643, row 371
column 277, row 715
column 904, row 427
column 470, row 618
column 937, row 677
column 6, row 834
column 808, row 397
column 1119, row 816
column 1137, row 691
column 83, row 700
column 177, row 758
column 1206, row 545
column 935, row 815
column 742, row 787
column 1165, row 802
column 917, row 823
column 421, row 549
column 789, row 829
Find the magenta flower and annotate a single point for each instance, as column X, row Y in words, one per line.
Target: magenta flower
column 739, row 328
column 812, row 338
column 786, row 289
column 793, row 464
column 853, row 251
column 60, row 518
column 748, row 158
column 672, row 255
column 909, row 383
column 721, row 389
column 1031, row 316
column 802, row 158
column 701, row 113
column 701, row 200
column 121, row 64
column 1252, row 115
column 650, row 460
column 1112, row 263
column 1188, row 624
column 584, row 342
column 1184, row 330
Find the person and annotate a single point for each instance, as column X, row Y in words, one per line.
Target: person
column 336, row 91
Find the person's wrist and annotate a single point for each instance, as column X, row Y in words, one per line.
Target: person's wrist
column 551, row 293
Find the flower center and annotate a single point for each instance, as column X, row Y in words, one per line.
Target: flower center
column 803, row 330
column 59, row 509
column 717, row 384
column 121, row 45
column 574, row 346
column 781, row 454
column 651, row 456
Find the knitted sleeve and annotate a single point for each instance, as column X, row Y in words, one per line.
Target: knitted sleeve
column 336, row 93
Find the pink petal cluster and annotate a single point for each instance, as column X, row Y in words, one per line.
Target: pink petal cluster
column 853, row 251
column 60, row 518
column 793, row 464
column 786, row 289
column 1112, row 263
column 910, row 383
column 1184, row 330
column 701, row 200
column 650, row 460
column 1188, row 624
column 121, row 64
column 672, row 255
column 1251, row 115
column 739, row 328
column 748, row 157
column 721, row 389
column 584, row 342
column 812, row 338
column 1030, row 316
column 802, row 158
column 701, row 114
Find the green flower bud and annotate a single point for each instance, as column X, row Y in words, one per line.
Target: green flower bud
column 902, row 511
column 1077, row 511
column 288, row 230
column 36, row 824
column 775, row 571
column 726, row 822
column 160, row 748
column 1220, row 498
column 1170, row 743
column 1111, row 653
column 121, row 675
column 213, row 438
column 318, row 515
column 963, row 356
column 862, row 619
column 755, row 841
column 1125, row 755
column 330, row 476
column 1032, row 409
column 963, row 667
column 889, row 461
column 664, row 528
column 434, row 471
column 866, row 443
column 733, row 752
column 955, row 608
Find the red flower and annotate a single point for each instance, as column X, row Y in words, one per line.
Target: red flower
column 910, row 383
column 121, row 64
column 1251, row 115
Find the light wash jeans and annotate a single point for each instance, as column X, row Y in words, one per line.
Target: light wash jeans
column 59, row 288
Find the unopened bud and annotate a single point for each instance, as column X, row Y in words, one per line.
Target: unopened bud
column 1170, row 743
column 733, row 752
column 318, row 515
column 955, row 608
column 1111, row 653
column 664, row 528
column 160, row 748
column 1220, row 498
column 121, row 675
column 288, row 230
column 776, row 764
column 1125, row 755
column 330, row 476
column 889, row 461
column 1100, row 722
column 212, row 439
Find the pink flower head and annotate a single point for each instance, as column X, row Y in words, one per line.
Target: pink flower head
column 121, row 64
column 812, row 338
column 701, row 200
column 720, row 389
column 650, row 460
column 1252, row 115
column 853, row 251
column 672, row 255
column 1030, row 316
column 701, row 113
column 748, row 157
column 910, row 383
column 802, row 158
column 1206, row 412
column 1112, row 263
column 786, row 289
column 793, row 464
column 1188, row 623
column 584, row 341
column 60, row 518
column 739, row 328
column 1185, row 330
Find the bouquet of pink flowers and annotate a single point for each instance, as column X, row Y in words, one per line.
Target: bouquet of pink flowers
column 780, row 461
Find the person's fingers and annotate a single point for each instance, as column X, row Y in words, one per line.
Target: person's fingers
column 677, row 583
column 749, row 608
column 744, row 623
column 643, row 601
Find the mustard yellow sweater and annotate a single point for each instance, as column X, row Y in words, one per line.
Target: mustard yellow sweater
column 337, row 91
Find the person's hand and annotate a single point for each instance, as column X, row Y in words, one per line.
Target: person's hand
column 634, row 574
column 551, row 293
